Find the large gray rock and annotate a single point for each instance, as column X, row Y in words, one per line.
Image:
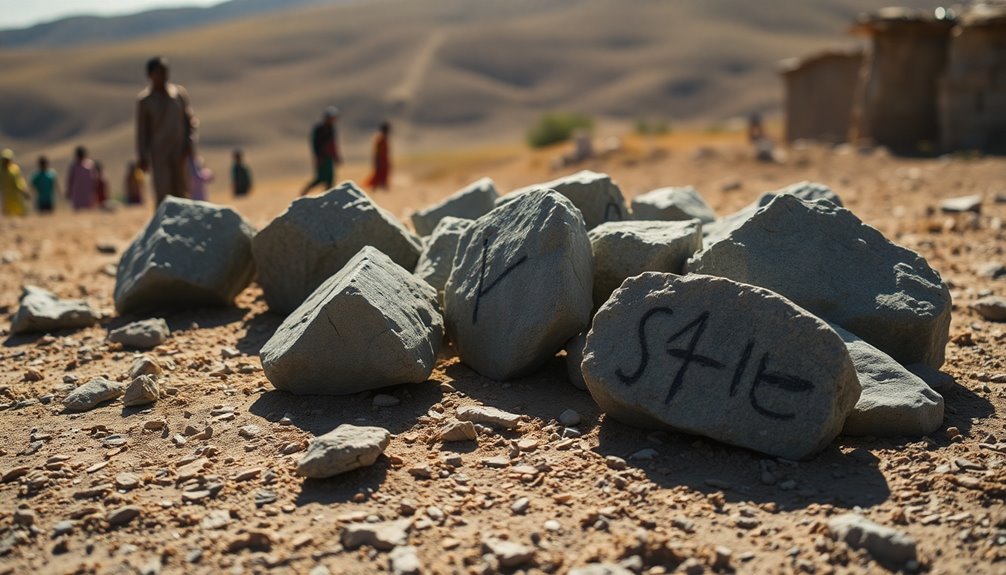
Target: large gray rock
column 316, row 236
column 807, row 191
column 371, row 325
column 520, row 286
column 894, row 402
column 143, row 334
column 827, row 261
column 713, row 357
column 89, row 395
column 191, row 253
column 682, row 203
column 343, row 449
column 41, row 310
column 886, row 545
column 626, row 249
column 471, row 202
column 598, row 198
column 435, row 261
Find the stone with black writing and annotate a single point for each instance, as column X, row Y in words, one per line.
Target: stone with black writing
column 470, row 202
column 520, row 285
column 143, row 334
column 370, row 325
column 827, row 261
column 343, row 449
column 713, row 357
column 191, row 253
column 437, row 257
column 596, row 195
column 894, row 401
column 679, row 203
column 316, row 236
column 40, row 310
column 92, row 393
column 625, row 249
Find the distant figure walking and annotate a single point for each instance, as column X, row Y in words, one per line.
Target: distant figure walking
column 134, row 184
column 44, row 182
column 199, row 176
column 165, row 132
column 325, row 150
column 82, row 181
column 381, row 174
column 101, row 185
column 13, row 190
column 241, row 176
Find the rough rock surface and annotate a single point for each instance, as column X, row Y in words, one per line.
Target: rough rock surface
column 370, row 325
column 681, row 203
column 894, row 401
column 471, row 202
column 434, row 266
column 626, row 249
column 934, row 378
column 992, row 308
column 143, row 334
column 805, row 190
column 886, row 545
column 574, row 357
column 827, row 261
column 488, row 416
column 315, row 237
column 343, row 449
column 596, row 195
column 41, row 310
column 520, row 285
column 191, row 253
column 142, row 391
column 713, row 357
column 383, row 535
column 89, row 395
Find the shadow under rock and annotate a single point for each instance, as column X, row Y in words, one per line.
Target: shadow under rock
column 961, row 407
column 343, row 487
column 258, row 329
column 707, row 466
column 544, row 394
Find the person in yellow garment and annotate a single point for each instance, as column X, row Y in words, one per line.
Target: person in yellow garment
column 13, row 189
column 165, row 132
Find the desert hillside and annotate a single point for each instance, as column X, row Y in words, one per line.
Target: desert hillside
column 447, row 72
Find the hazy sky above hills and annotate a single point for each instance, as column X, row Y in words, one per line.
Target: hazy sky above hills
column 19, row 13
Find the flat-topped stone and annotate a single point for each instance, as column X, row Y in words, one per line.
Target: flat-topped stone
column 596, row 195
column 316, row 236
column 714, row 357
column 470, row 202
column 672, row 204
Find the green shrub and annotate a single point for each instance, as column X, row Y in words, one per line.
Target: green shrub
column 555, row 127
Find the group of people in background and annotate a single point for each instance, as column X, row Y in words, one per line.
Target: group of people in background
column 166, row 137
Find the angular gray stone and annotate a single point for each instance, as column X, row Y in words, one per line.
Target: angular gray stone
column 404, row 560
column 894, row 401
column 470, row 202
column 191, row 253
column 827, row 261
column 89, row 395
column 682, row 203
column 343, row 449
column 437, row 257
column 713, row 357
column 384, row 535
column 886, row 545
column 144, row 365
column 992, row 308
column 143, row 334
column 142, row 391
column 315, row 237
column 574, row 357
column 456, row 430
column 962, row 204
column 509, row 553
column 625, row 249
column 41, row 310
column 520, row 285
column 488, row 416
column 370, row 325
column 598, row 198
column 805, row 190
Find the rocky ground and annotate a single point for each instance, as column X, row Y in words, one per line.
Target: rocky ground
column 203, row 480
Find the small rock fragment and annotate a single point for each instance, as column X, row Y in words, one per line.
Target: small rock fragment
column 886, row 545
column 455, row 430
column 143, row 334
column 510, row 554
column 488, row 416
column 345, row 448
column 383, row 535
column 142, row 391
column 89, row 395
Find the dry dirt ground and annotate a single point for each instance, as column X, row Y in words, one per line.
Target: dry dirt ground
column 696, row 505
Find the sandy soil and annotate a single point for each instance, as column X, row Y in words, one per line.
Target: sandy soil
column 697, row 505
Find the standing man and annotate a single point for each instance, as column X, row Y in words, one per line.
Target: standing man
column 165, row 132
column 325, row 150
column 241, row 176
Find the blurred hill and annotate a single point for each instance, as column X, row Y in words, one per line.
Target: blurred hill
column 446, row 72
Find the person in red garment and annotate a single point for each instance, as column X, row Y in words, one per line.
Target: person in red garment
column 381, row 174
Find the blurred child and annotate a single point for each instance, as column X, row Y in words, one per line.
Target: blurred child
column 381, row 173
column 82, row 181
column 44, row 181
column 134, row 184
column 13, row 190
